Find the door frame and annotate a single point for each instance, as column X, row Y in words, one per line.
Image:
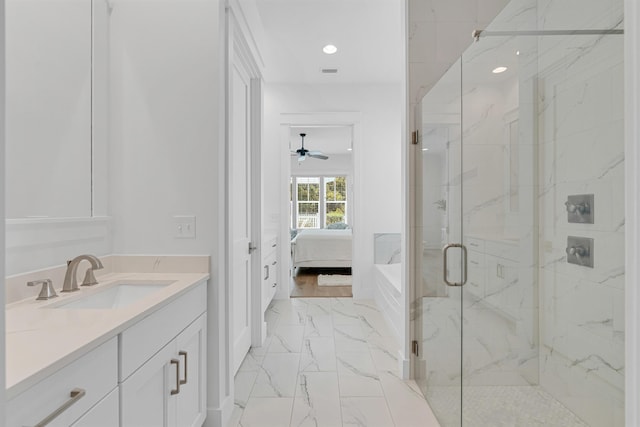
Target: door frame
column 287, row 120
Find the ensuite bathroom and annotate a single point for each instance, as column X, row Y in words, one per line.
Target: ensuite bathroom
column 146, row 247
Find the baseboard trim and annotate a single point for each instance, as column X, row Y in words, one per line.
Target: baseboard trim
column 220, row 417
column 404, row 366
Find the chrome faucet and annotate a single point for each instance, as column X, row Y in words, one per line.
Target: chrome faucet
column 70, row 283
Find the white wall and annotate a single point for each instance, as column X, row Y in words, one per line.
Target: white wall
column 336, row 164
column 377, row 175
column 167, row 151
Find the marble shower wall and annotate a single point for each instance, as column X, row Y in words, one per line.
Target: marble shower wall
column 581, row 151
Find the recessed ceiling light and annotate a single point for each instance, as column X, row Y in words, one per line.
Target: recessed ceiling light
column 329, row 49
column 517, row 52
column 349, row 149
column 499, row 70
column 425, row 149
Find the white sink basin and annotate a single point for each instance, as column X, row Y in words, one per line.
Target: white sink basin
column 116, row 296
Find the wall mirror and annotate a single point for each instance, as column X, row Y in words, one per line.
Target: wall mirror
column 48, row 108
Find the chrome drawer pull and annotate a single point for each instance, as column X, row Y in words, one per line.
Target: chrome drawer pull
column 177, row 363
column 184, row 353
column 75, row 395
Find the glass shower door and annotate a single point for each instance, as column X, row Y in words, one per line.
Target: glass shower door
column 521, row 160
column 438, row 163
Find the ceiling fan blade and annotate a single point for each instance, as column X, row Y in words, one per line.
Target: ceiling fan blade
column 318, row 156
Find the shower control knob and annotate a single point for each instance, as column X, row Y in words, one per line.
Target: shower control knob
column 578, row 251
column 580, row 208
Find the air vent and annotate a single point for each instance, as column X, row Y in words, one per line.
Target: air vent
column 329, row 70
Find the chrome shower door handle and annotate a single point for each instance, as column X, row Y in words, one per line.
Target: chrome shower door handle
column 445, row 250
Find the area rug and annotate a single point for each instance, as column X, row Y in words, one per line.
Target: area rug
column 334, row 280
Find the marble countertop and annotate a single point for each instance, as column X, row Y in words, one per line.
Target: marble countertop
column 40, row 339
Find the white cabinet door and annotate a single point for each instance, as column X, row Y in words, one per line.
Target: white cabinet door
column 169, row 389
column 146, row 394
column 191, row 401
column 104, row 414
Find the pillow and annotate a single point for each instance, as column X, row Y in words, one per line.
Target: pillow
column 338, row 226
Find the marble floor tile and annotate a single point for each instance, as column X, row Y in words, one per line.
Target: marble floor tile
column 317, row 401
column 251, row 362
column 350, row 338
column 319, row 325
column 243, row 385
column 319, row 306
column 357, row 375
column 384, row 358
column 366, row 411
column 277, row 376
column 286, row 339
column 343, row 315
column 267, row 412
column 406, row 403
column 318, row 354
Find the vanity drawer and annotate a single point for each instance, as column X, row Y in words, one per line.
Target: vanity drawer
column 474, row 244
column 142, row 340
column 95, row 372
column 502, row 249
column 476, row 271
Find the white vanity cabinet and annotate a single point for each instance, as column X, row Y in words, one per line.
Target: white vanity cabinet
column 269, row 270
column 493, row 272
column 93, row 376
column 104, row 414
column 476, row 267
column 150, row 371
column 167, row 388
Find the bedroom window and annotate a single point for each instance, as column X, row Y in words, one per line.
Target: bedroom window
column 318, row 202
column 308, row 202
column 335, row 200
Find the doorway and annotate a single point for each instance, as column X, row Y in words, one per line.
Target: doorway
column 321, row 213
column 338, row 135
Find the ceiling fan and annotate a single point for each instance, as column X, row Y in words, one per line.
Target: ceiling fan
column 303, row 153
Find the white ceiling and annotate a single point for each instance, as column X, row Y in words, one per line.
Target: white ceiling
column 327, row 139
column 366, row 32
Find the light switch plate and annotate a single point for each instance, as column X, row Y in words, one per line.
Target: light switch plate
column 184, row 226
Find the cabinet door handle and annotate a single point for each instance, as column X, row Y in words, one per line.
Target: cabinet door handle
column 177, row 363
column 266, row 272
column 184, row 353
column 75, row 395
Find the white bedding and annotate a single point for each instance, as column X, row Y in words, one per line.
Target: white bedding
column 322, row 248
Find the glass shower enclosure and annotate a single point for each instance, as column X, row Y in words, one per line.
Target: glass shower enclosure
column 520, row 319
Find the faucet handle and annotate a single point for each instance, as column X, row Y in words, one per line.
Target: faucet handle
column 47, row 290
column 89, row 278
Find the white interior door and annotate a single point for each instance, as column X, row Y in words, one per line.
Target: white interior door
column 240, row 215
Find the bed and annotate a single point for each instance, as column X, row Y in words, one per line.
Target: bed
column 322, row 248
